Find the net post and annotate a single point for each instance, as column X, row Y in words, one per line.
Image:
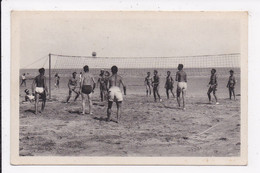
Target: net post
column 49, row 76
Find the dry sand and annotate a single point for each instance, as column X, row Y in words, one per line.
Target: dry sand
column 146, row 128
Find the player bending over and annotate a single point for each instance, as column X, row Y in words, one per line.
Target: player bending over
column 181, row 78
column 231, row 84
column 28, row 97
column 155, row 84
column 213, row 84
column 103, row 87
column 114, row 92
column 72, row 85
column 39, row 88
column 87, row 86
column 169, row 84
column 23, row 80
column 148, row 84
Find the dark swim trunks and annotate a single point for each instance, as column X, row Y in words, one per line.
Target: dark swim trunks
column 86, row 89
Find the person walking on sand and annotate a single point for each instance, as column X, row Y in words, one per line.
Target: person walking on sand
column 213, row 84
column 169, row 84
column 23, row 80
column 231, row 85
column 181, row 78
column 156, row 84
column 114, row 92
column 40, row 90
column 87, row 86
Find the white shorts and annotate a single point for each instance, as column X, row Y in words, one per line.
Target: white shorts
column 182, row 86
column 115, row 94
column 39, row 90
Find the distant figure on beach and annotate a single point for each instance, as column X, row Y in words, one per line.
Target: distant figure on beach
column 102, row 84
column 40, row 90
column 87, row 86
column 72, row 85
column 114, row 92
column 231, row 85
column 213, row 84
column 156, row 84
column 23, row 80
column 80, row 76
column 181, row 78
column 148, row 84
column 57, row 80
column 169, row 85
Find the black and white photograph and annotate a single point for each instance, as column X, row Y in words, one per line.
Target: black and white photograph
column 129, row 85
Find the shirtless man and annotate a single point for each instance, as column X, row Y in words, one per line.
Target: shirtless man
column 169, row 84
column 114, row 92
column 103, row 86
column 181, row 78
column 39, row 88
column 213, row 83
column 231, row 85
column 87, row 86
column 72, row 84
column 23, row 80
column 148, row 84
column 156, row 84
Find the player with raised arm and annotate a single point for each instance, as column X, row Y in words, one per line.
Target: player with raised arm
column 213, row 84
column 169, row 84
column 181, row 78
column 102, row 84
column 148, row 84
column 87, row 86
column 114, row 92
column 156, row 84
column 72, row 85
column 231, row 84
column 40, row 90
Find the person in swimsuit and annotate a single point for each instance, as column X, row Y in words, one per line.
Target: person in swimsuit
column 87, row 86
column 114, row 92
column 103, row 87
column 181, row 78
column 231, row 84
column 213, row 83
column 28, row 97
column 72, row 85
column 169, row 84
column 155, row 84
column 40, row 90
column 23, row 80
column 148, row 84
column 57, row 81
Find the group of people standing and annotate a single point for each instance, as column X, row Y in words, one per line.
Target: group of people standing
column 110, row 87
column 153, row 83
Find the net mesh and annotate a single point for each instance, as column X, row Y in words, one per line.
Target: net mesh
column 194, row 65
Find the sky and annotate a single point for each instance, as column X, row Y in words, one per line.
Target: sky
column 125, row 34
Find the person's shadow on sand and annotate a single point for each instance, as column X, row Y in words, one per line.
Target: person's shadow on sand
column 104, row 119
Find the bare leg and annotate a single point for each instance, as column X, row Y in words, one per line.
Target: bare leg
column 83, row 104
column 109, row 110
column 167, row 93
column 172, row 94
column 233, row 90
column 118, row 114
column 90, row 103
column 214, row 94
column 178, row 98
column 77, row 95
column 36, row 103
column 209, row 96
column 183, row 98
column 68, row 98
column 230, row 93
column 154, row 94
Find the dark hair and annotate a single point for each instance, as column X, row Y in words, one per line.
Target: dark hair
column 74, row 72
column 114, row 69
column 86, row 69
column 155, row 71
column 148, row 72
column 231, row 71
column 180, row 66
column 214, row 70
column 41, row 70
column 168, row 72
